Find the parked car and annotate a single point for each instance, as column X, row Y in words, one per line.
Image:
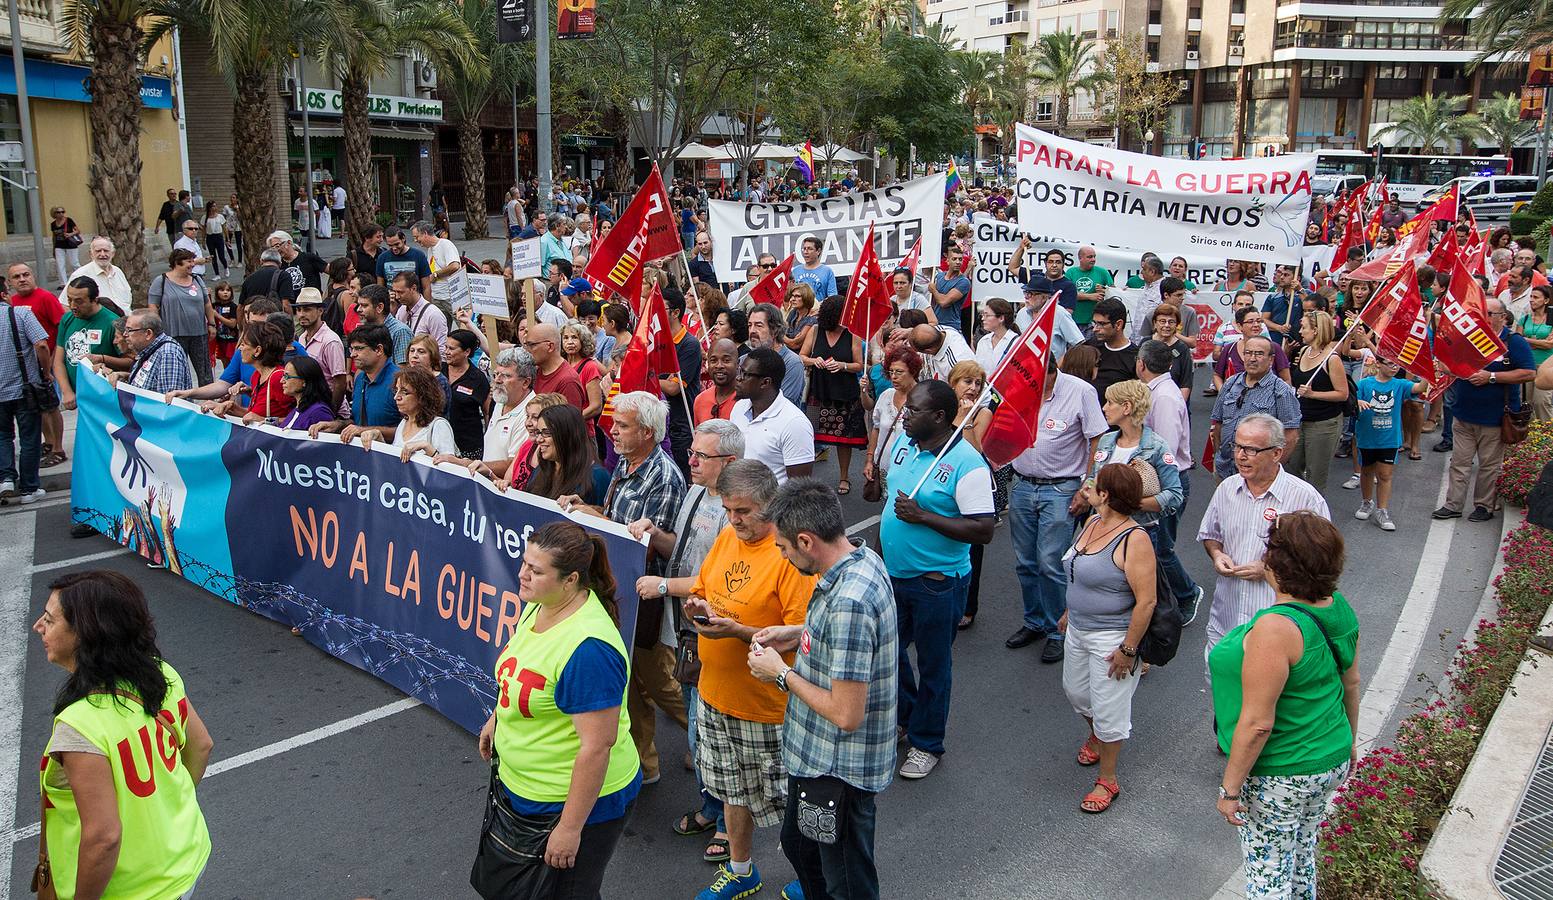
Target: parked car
column 1491, row 198
column 1328, row 185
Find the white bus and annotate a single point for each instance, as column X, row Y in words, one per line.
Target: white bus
column 1408, row 175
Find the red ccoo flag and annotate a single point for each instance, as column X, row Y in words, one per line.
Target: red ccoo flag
column 1443, row 259
column 1396, row 314
column 912, row 261
column 1464, row 341
column 868, row 296
column 1353, row 236
column 651, row 352
column 1444, row 209
column 644, row 233
column 772, row 288
column 1019, row 384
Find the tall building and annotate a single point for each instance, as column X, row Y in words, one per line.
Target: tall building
column 1284, row 76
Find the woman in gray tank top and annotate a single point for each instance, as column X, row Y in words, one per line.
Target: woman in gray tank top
column 1111, row 578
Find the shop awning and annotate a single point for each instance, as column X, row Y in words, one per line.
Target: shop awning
column 387, row 132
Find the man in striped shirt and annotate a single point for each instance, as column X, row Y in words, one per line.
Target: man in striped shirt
column 1234, row 527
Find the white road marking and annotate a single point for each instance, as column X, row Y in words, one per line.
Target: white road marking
column 863, row 525
column 252, row 756
column 16, row 534
column 78, row 560
column 12, row 508
column 1395, row 671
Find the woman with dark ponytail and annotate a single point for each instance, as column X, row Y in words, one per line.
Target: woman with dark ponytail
column 566, row 770
column 117, row 824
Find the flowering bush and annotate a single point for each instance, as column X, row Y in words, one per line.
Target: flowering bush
column 1523, row 462
column 1383, row 817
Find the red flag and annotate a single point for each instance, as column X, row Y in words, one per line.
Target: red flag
column 1472, row 253
column 1446, row 252
column 1444, row 209
column 868, row 295
column 651, row 351
column 1412, row 241
column 1207, row 455
column 1353, row 236
column 1019, row 384
column 1464, row 341
column 913, row 259
column 773, row 287
column 1372, row 231
column 645, row 232
column 1396, row 315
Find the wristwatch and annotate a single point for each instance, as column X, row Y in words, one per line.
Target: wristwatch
column 663, row 587
column 781, row 681
column 1226, row 795
column 1492, row 378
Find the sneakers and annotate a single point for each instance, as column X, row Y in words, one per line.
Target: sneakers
column 1365, row 510
column 1383, row 519
column 793, row 891
column 1352, row 482
column 918, row 764
column 729, row 886
column 1189, row 611
column 35, row 496
column 7, row 489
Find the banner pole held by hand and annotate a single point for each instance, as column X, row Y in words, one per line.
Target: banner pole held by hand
column 985, row 391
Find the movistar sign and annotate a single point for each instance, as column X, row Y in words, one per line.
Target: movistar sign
column 324, row 102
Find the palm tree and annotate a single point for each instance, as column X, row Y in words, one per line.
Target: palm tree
column 360, row 40
column 468, row 89
column 110, row 32
column 1063, row 63
column 1428, row 121
column 1499, row 119
column 250, row 41
column 1508, row 27
column 978, row 74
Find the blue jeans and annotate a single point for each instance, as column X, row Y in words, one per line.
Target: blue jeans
column 711, row 807
column 18, row 421
column 1163, row 535
column 927, row 612
column 1042, row 531
column 843, row 870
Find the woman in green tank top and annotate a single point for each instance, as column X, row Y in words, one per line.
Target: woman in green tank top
column 120, row 819
column 1286, row 700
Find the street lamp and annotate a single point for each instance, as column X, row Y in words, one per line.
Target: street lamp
column 1148, row 141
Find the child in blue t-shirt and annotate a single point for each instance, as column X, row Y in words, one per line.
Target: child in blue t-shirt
column 1378, row 435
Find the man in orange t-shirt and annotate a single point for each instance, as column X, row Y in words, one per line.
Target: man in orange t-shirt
column 744, row 585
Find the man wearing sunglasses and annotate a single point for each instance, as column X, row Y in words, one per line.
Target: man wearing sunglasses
column 1255, row 390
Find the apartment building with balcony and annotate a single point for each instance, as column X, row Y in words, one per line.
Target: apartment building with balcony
column 1291, row 75
column 58, row 94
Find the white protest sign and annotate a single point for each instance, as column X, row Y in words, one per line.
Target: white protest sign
column 525, row 259
column 900, row 213
column 1251, row 209
column 488, row 295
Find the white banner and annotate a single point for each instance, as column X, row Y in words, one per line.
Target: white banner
column 900, row 213
column 995, row 242
column 1251, row 209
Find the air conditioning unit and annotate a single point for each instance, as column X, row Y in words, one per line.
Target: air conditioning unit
column 1237, row 50
column 425, row 75
column 1191, row 56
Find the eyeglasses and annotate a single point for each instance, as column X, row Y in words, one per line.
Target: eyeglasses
column 703, row 457
column 540, row 433
column 290, row 377
column 129, row 330
column 1242, row 450
column 403, row 392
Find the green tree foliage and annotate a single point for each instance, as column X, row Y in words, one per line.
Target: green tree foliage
column 1063, row 63
column 1428, row 122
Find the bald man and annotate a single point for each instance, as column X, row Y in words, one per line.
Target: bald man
column 553, row 374
column 941, row 348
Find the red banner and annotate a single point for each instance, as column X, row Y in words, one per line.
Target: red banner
column 1396, row 315
column 575, row 18
column 644, row 233
column 868, row 295
column 772, row 288
column 1019, row 384
column 1464, row 341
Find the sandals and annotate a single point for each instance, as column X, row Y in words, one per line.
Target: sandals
column 716, row 850
column 50, row 460
column 1089, row 754
column 1414, row 455
column 844, row 487
column 1094, row 803
column 690, row 823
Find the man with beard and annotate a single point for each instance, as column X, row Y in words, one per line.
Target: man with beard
column 767, row 329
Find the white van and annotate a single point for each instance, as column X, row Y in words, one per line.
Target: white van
column 1491, row 198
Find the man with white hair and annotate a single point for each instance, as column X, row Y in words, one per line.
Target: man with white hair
column 449, row 282
column 112, row 286
column 1234, row 527
column 304, row 267
column 646, row 485
column 512, row 387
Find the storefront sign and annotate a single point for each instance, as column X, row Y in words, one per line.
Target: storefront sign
column 57, row 81
column 323, row 102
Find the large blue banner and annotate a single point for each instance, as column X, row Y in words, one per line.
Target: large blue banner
column 406, row 570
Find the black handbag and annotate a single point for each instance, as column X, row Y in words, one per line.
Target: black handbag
column 510, row 861
column 1163, row 637
column 36, row 396
column 821, row 807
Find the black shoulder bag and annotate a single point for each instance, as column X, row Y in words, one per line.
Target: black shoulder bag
column 1163, row 637
column 37, row 396
column 510, row 861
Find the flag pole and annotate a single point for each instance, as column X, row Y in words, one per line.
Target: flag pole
column 949, row 443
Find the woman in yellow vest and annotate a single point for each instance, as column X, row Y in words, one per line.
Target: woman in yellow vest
column 568, row 772
column 120, row 818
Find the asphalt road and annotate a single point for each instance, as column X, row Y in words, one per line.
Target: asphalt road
column 391, row 808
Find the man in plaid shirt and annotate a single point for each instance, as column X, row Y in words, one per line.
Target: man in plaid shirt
column 838, row 740
column 160, row 365
column 647, row 485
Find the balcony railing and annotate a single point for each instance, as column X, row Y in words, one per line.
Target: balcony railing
column 1369, row 2
column 1375, row 41
column 39, row 20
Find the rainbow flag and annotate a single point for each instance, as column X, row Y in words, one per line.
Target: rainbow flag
column 952, row 179
column 805, row 162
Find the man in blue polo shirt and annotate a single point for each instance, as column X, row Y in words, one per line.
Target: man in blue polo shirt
column 1479, row 403
column 1277, row 308
column 927, row 550
column 372, row 396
